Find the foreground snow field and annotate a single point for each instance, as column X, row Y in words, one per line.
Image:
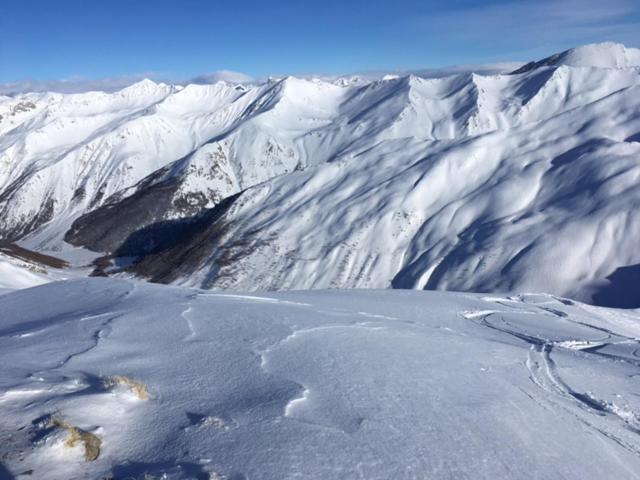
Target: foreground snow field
column 105, row 378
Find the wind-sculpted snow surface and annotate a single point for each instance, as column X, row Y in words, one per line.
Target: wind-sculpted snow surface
column 512, row 182
column 155, row 380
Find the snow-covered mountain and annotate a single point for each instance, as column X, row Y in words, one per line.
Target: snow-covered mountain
column 501, row 182
column 526, row 181
column 600, row 55
column 105, row 378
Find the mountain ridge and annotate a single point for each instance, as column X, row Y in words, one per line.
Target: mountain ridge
column 596, row 55
column 454, row 156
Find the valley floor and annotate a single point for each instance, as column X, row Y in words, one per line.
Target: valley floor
column 105, row 378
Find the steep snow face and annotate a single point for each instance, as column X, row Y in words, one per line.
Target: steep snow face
column 495, row 182
column 64, row 155
column 156, row 381
column 76, row 153
column 550, row 204
column 81, row 149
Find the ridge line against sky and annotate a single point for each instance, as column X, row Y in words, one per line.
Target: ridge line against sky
column 112, row 84
column 80, row 40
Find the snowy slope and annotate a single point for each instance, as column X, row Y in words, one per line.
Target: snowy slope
column 16, row 274
column 361, row 384
column 80, row 149
column 468, row 182
column 598, row 55
column 64, row 155
column 542, row 196
column 21, row 268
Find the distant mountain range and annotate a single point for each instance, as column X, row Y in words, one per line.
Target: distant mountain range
column 526, row 181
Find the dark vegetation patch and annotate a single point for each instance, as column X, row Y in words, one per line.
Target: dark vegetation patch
column 30, row 256
column 105, row 228
column 169, row 249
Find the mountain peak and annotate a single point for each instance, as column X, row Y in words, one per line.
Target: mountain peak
column 595, row 55
column 143, row 86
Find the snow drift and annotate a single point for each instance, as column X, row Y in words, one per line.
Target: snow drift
column 104, row 378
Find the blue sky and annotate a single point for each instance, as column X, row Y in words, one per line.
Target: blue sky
column 180, row 39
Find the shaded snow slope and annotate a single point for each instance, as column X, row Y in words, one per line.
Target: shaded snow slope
column 64, row 155
column 468, row 182
column 549, row 205
column 360, row 384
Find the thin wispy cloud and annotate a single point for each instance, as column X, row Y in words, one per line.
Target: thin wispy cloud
column 222, row 75
column 460, row 32
column 529, row 26
column 482, row 69
column 113, row 84
column 73, row 85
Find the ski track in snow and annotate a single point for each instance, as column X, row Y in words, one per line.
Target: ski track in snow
column 192, row 331
column 254, row 298
column 544, row 373
column 279, row 373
